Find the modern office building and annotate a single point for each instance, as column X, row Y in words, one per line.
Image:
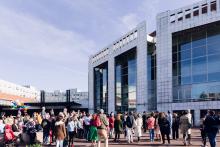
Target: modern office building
column 65, row 96
column 175, row 68
column 14, row 92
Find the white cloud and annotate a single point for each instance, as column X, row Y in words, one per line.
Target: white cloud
column 30, row 36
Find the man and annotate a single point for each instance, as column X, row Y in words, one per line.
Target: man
column 144, row 118
column 129, row 127
column 86, row 123
column 212, row 123
column 102, row 129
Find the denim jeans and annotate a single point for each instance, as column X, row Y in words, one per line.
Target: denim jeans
column 151, row 131
column 59, row 143
column 212, row 139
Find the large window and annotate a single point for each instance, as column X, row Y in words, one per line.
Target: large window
column 101, row 87
column 196, row 60
column 151, row 76
column 125, row 81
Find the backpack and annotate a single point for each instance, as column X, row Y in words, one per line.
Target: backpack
column 129, row 122
column 98, row 122
column 8, row 135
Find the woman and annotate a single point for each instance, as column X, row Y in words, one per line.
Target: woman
column 60, row 131
column 93, row 132
column 157, row 127
column 150, row 126
column 111, row 125
column 184, row 126
column 118, row 126
column 15, row 127
column 138, row 125
column 164, row 127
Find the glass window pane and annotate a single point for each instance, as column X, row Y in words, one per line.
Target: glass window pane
column 199, row 66
column 186, row 80
column 185, row 55
column 186, row 68
column 214, row 63
column 214, row 77
column 199, row 78
column 198, row 38
column 199, row 51
column 214, row 48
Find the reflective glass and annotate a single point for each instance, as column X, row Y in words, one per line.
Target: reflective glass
column 184, row 55
column 214, row 48
column 199, row 51
column 214, row 63
column 186, row 80
column 199, row 66
column 185, row 68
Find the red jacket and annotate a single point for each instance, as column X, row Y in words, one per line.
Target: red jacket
column 111, row 122
column 9, row 134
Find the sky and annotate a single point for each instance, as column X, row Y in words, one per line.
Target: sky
column 47, row 43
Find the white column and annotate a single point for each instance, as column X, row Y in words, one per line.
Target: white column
column 111, row 84
column 142, row 69
column 196, row 117
column 91, row 88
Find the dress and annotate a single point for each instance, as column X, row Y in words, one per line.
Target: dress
column 138, row 125
column 93, row 132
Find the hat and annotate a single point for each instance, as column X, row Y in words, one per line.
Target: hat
column 101, row 111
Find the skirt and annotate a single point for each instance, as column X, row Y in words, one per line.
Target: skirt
column 93, row 134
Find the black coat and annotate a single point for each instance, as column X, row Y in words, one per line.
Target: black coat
column 164, row 125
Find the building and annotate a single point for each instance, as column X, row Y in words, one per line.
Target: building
column 175, row 68
column 66, row 96
column 13, row 92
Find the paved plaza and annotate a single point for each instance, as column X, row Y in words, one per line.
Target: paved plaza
column 196, row 142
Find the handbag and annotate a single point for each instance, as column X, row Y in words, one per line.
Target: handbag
column 65, row 142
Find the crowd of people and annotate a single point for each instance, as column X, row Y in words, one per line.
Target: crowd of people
column 63, row 128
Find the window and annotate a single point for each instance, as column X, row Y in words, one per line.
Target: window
column 180, row 16
column 187, row 14
column 204, row 9
column 196, row 11
column 213, row 6
column 172, row 18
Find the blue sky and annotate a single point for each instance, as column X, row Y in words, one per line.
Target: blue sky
column 47, row 43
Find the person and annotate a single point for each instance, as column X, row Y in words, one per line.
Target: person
column 2, row 126
column 80, row 127
column 175, row 126
column 59, row 130
column 212, row 123
column 164, row 127
column 31, row 130
column 46, row 125
column 203, row 133
column 129, row 127
column 9, row 136
column 72, row 129
column 157, row 127
column 170, row 119
column 111, row 125
column 138, row 123
column 15, row 127
column 189, row 115
column 93, row 133
column 150, row 126
column 118, row 126
column 184, row 126
column 86, row 124
column 144, row 118
column 102, row 128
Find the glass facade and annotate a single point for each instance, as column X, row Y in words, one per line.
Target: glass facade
column 101, row 87
column 151, row 76
column 125, row 81
column 196, row 63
